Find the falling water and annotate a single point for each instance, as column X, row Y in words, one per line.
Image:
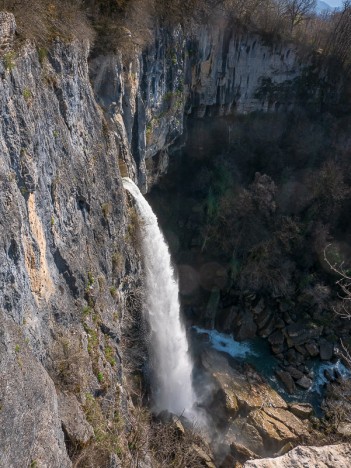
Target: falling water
column 171, row 362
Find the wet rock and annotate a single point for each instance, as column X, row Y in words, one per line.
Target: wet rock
column 301, row 410
column 287, row 318
column 276, row 338
column 203, row 456
column 295, row 373
column 241, row 451
column 247, row 328
column 299, row 333
column 312, row 349
column 263, row 318
column 230, row 316
column 291, row 355
column 326, row 350
column 328, row 375
column 279, row 323
column 287, row 381
column 301, row 349
column 290, row 420
column 277, row 425
column 244, row 434
column 304, row 382
column 243, row 389
column 277, row 349
column 259, row 307
column 272, row 431
column 268, row 329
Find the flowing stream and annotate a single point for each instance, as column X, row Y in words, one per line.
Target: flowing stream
column 168, row 345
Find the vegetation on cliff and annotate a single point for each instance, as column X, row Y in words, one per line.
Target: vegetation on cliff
column 127, row 23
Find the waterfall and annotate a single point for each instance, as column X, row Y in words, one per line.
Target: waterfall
column 168, row 346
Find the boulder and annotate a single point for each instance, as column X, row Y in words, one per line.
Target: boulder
column 287, row 381
column 291, row 355
column 273, row 431
column 276, row 338
column 301, row 349
column 295, row 373
column 248, row 327
column 285, row 449
column 241, row 389
column 241, row 451
column 263, row 318
column 287, row 318
column 277, row 349
column 304, row 382
column 326, row 350
column 329, row 456
column 299, row 333
column 312, row 349
column 328, row 374
column 344, row 429
column 242, row 433
column 259, row 307
column 301, row 410
column 279, row 323
column 203, row 456
column 277, row 425
column 268, row 329
column 289, row 420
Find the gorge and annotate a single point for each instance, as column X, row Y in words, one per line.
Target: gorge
column 239, row 140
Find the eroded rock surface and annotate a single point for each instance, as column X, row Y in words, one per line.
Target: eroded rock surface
column 329, row 456
column 260, row 420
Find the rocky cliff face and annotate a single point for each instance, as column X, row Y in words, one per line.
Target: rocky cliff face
column 326, row 457
column 214, row 71
column 65, row 258
column 68, row 258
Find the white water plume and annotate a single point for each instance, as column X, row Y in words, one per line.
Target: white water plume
column 168, row 344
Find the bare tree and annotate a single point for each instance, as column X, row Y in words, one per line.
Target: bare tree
column 297, row 11
column 344, row 308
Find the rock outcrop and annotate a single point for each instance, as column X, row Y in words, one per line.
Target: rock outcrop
column 329, row 456
column 256, row 416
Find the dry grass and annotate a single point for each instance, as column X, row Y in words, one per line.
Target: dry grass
column 44, row 20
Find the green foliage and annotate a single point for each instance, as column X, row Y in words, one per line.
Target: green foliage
column 87, row 310
column 27, row 94
column 42, row 54
column 113, row 291
column 9, row 60
column 109, row 355
column 106, row 209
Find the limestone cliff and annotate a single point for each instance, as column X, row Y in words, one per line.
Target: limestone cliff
column 318, row 457
column 68, row 257
column 215, row 71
